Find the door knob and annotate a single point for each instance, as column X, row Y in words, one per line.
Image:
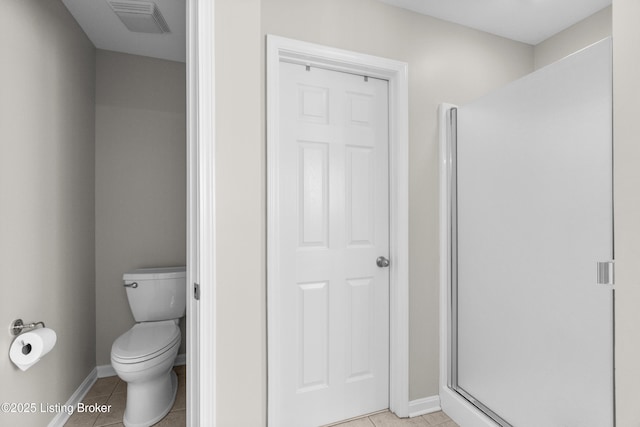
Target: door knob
column 382, row 262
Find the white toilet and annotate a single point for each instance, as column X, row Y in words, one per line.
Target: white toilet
column 144, row 355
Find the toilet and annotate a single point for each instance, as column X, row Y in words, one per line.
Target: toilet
column 143, row 356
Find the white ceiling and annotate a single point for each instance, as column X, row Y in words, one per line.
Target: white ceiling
column 106, row 31
column 527, row 21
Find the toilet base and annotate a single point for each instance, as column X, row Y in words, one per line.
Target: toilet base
column 149, row 402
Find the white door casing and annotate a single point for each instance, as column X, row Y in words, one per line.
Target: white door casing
column 316, row 56
column 201, row 328
column 333, row 225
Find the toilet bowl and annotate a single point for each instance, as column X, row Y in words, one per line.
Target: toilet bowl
column 143, row 356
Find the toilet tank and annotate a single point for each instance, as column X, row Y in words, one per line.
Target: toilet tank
column 156, row 293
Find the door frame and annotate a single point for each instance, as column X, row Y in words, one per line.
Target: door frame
column 289, row 50
column 201, row 325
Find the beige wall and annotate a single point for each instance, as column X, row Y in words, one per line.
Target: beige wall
column 140, row 180
column 46, row 199
column 584, row 33
column 440, row 56
column 240, row 218
column 626, row 128
column 621, row 21
column 47, row 220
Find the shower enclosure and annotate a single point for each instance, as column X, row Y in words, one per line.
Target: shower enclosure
column 527, row 250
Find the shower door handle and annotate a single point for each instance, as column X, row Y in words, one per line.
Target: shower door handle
column 382, row 262
column 606, row 273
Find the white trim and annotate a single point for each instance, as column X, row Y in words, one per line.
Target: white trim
column 62, row 417
column 423, row 406
column 108, row 371
column 283, row 49
column 461, row 411
column 181, row 360
column 104, row 371
column 456, row 407
column 201, row 325
column 445, row 224
column 192, row 214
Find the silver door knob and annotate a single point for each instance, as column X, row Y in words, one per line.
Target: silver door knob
column 382, row 262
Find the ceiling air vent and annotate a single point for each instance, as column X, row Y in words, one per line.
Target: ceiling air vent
column 140, row 16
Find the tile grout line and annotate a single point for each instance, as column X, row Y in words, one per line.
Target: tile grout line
column 114, row 391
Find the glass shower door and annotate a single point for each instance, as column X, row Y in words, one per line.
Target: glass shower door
column 533, row 333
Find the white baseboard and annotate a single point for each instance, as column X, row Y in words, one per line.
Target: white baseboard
column 423, row 406
column 98, row 372
column 463, row 412
column 62, row 417
column 108, row 371
column 105, row 371
column 181, row 360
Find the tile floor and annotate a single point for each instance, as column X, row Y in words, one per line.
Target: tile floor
column 113, row 391
column 387, row 419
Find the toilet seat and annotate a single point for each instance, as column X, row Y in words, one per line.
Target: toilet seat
column 145, row 341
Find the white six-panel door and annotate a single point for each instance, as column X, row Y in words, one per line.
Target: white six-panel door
column 333, row 204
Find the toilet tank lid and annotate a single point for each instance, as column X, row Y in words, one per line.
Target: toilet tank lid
column 155, row 273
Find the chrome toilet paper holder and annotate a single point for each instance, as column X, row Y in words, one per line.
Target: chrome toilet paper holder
column 17, row 326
